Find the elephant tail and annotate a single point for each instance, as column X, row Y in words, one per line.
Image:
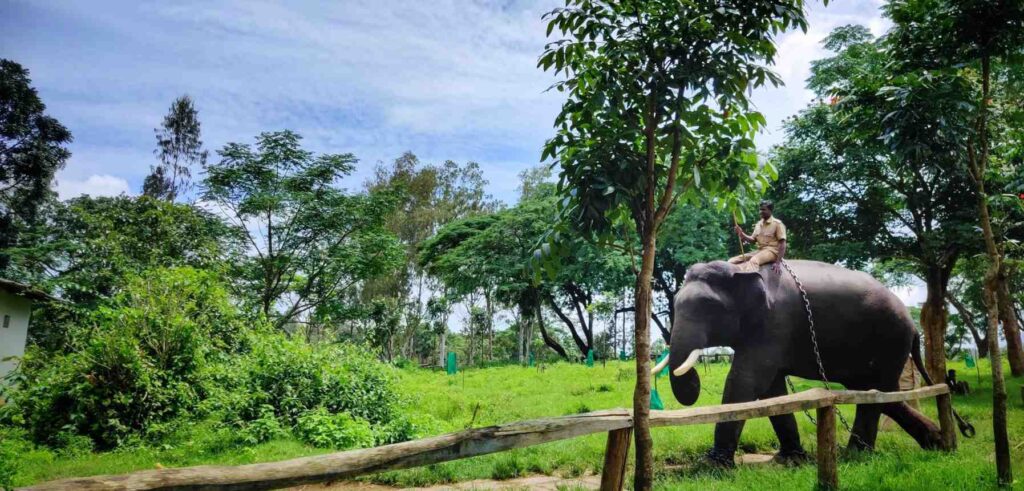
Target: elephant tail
column 966, row 429
column 915, row 353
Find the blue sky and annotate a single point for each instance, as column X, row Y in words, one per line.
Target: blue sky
column 445, row 79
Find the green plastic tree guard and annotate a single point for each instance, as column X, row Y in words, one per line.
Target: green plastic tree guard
column 451, row 366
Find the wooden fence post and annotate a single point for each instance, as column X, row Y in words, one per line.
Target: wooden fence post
column 616, row 454
column 946, row 424
column 828, row 452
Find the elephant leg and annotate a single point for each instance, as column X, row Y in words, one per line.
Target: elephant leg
column 865, row 427
column 743, row 384
column 916, row 424
column 790, row 449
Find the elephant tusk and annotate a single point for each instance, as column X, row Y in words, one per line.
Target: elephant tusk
column 660, row 366
column 688, row 364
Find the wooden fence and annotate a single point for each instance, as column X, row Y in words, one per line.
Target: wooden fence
column 617, row 423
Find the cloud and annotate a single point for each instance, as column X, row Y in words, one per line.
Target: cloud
column 94, row 185
column 446, row 79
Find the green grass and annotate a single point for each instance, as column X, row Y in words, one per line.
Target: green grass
column 481, row 397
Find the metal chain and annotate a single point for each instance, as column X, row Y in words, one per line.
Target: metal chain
column 817, row 352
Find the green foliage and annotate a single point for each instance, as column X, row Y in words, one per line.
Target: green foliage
column 96, row 245
column 140, row 362
column 321, row 428
column 854, row 196
column 657, row 93
column 263, row 428
column 310, row 240
column 284, row 378
column 32, row 150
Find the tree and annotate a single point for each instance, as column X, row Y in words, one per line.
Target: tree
column 309, row 241
column 656, row 112
column 179, row 147
column 32, row 150
column 89, row 248
column 856, row 197
column 945, row 35
column 428, row 196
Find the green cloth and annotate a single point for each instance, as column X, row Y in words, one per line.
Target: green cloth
column 590, row 358
column 656, row 400
column 969, row 360
column 622, row 355
column 451, row 367
column 664, row 371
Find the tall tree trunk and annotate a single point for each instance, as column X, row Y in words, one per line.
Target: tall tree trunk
column 643, row 478
column 978, row 167
column 548, row 340
column 490, row 326
column 443, row 349
column 934, row 319
column 1011, row 326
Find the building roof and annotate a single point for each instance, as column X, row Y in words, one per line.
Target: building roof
column 26, row 291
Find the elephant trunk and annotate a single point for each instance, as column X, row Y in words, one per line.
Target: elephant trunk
column 685, row 354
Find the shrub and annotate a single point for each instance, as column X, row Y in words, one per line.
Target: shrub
column 264, row 428
column 290, row 378
column 142, row 361
column 324, row 429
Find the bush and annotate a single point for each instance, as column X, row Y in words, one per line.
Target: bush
column 324, row 429
column 289, row 378
column 262, row 429
column 143, row 360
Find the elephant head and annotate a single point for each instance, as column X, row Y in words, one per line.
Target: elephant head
column 717, row 306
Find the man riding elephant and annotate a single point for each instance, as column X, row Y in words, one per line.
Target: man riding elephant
column 770, row 235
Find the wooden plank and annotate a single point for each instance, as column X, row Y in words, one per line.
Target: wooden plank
column 828, row 450
column 877, row 397
column 946, row 423
column 616, row 453
column 808, row 399
column 342, row 465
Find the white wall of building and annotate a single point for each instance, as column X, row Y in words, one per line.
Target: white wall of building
column 15, row 311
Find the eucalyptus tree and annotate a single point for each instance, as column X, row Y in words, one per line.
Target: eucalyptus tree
column 428, row 196
column 954, row 35
column 656, row 112
column 33, row 147
column 179, row 147
column 309, row 241
column 867, row 173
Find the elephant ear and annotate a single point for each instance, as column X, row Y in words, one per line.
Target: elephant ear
column 753, row 291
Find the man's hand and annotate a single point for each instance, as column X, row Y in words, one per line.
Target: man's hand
column 739, row 231
column 776, row 267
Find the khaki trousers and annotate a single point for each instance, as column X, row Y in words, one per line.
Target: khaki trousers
column 753, row 261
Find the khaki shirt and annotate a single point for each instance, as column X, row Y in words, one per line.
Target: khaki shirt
column 769, row 233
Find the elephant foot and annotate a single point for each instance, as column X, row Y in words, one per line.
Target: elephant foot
column 721, row 459
column 792, row 458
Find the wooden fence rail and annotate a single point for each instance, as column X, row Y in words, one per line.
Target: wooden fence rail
column 618, row 423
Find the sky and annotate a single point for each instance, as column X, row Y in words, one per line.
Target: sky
column 445, row 79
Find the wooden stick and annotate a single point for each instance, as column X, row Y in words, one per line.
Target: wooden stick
column 828, row 470
column 808, row 399
column 738, row 238
column 946, row 424
column 616, row 454
column 877, row 397
column 343, row 465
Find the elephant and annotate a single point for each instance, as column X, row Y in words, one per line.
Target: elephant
column 864, row 336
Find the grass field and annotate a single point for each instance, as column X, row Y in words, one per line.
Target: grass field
column 480, row 397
